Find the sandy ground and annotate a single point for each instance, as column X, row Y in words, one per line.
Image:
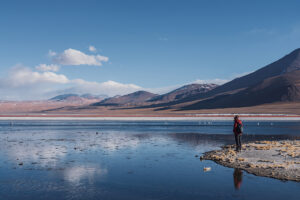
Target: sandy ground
column 83, row 108
column 276, row 159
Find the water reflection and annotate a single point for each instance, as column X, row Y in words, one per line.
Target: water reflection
column 114, row 141
column 43, row 155
column 77, row 173
column 50, row 150
column 237, row 178
column 128, row 163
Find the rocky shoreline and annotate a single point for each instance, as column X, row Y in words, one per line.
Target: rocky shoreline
column 276, row 159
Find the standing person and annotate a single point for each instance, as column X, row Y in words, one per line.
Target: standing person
column 238, row 131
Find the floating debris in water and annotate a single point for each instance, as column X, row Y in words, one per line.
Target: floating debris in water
column 207, row 169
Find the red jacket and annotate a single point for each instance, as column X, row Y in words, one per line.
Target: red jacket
column 235, row 126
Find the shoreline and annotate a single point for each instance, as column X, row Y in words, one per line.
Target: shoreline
column 274, row 159
column 167, row 117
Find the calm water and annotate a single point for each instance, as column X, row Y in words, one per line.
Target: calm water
column 130, row 160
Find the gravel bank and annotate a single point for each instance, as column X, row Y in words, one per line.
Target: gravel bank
column 276, row 159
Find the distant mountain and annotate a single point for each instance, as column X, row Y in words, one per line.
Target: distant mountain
column 64, row 97
column 183, row 92
column 276, row 82
column 129, row 99
column 76, row 97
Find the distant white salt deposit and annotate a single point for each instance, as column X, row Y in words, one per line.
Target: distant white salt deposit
column 198, row 117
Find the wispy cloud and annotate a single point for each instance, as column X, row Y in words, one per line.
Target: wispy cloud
column 261, row 31
column 92, row 49
column 109, row 88
column 76, row 57
column 22, row 76
column 51, row 53
column 45, row 67
column 163, row 38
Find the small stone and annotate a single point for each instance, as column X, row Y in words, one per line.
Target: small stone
column 207, row 169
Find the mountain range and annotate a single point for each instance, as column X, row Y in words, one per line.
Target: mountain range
column 274, row 83
column 76, row 97
column 278, row 82
column 129, row 99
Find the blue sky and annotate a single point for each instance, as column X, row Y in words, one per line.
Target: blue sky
column 155, row 44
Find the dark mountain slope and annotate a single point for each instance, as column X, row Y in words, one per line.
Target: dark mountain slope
column 282, row 88
column 284, row 65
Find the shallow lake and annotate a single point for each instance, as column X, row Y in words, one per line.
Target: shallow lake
column 131, row 160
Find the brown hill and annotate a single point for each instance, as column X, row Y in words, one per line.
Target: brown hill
column 183, row 92
column 129, row 99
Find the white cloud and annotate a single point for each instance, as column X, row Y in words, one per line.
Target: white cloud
column 21, row 76
column 22, row 83
column 92, row 48
column 45, row 67
column 75, row 57
column 110, row 88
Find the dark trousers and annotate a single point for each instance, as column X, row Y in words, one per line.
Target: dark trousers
column 238, row 141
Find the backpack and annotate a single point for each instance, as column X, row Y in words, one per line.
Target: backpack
column 239, row 128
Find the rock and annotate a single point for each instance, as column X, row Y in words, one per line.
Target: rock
column 207, row 169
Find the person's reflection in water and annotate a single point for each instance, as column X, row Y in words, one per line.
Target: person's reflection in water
column 237, row 178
